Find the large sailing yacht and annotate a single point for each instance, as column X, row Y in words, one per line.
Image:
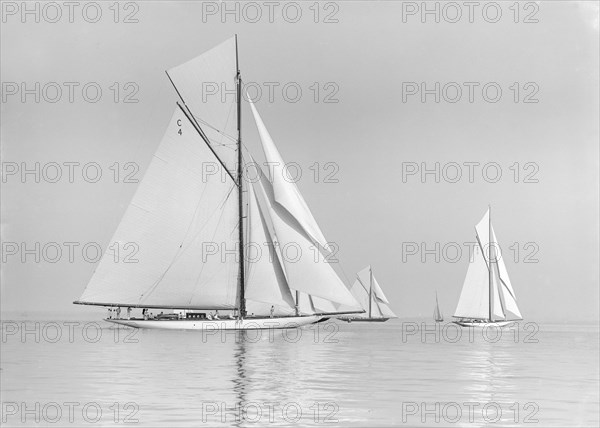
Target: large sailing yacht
column 194, row 208
column 487, row 296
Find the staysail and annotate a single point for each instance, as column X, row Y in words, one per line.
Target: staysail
column 178, row 216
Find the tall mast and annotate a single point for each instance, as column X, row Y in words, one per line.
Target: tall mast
column 242, row 309
column 490, row 257
column 370, row 289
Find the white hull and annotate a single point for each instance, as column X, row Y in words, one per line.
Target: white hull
column 221, row 324
column 484, row 324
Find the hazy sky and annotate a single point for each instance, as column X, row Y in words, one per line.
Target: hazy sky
column 371, row 134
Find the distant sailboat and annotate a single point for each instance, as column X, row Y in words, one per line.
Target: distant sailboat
column 369, row 294
column 194, row 194
column 437, row 315
column 487, row 296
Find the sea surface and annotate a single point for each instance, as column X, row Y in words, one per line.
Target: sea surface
column 403, row 372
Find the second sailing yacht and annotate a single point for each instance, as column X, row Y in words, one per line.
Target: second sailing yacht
column 487, row 296
column 369, row 294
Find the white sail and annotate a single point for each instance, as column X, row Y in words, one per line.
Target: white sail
column 474, row 297
column 207, row 85
column 321, row 306
column 386, row 312
column 437, row 315
column 265, row 279
column 365, row 277
column 492, row 253
column 305, row 304
column 285, row 191
column 360, row 291
column 483, row 231
column 507, row 293
column 305, row 266
column 361, row 294
column 176, row 212
column 492, row 282
column 497, row 309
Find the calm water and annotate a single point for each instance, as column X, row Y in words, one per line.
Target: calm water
column 357, row 374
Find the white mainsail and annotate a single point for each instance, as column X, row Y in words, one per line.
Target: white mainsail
column 487, row 293
column 474, row 297
column 175, row 213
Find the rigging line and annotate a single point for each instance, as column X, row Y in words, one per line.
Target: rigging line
column 224, row 134
column 483, row 252
column 204, row 137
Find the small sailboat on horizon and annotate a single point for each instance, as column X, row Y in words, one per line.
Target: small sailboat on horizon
column 193, row 195
column 369, row 294
column 437, row 314
column 487, row 296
